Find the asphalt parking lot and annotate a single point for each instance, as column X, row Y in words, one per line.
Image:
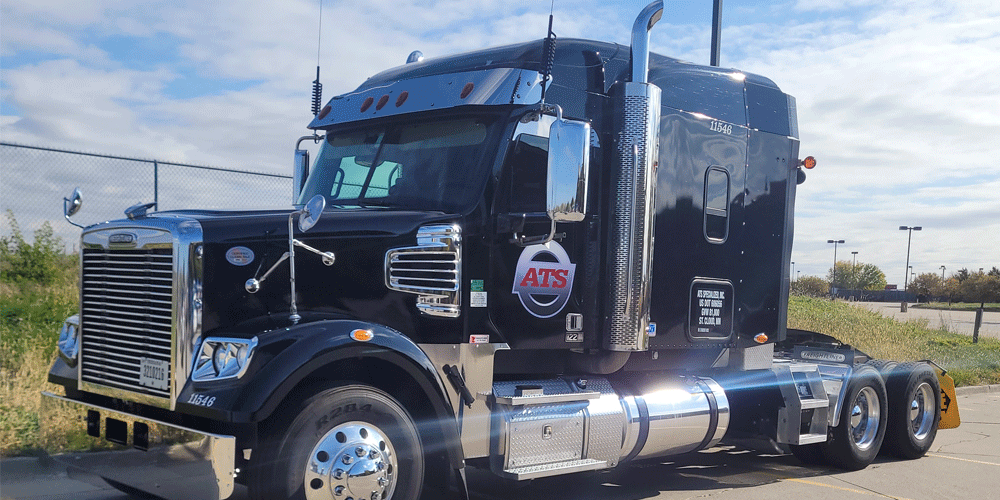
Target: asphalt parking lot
column 964, row 463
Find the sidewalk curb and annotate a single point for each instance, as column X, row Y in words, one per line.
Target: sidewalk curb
column 976, row 389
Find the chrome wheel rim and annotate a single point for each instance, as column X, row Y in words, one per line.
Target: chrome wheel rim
column 922, row 411
column 353, row 461
column 865, row 415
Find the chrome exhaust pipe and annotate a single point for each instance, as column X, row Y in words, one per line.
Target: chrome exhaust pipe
column 640, row 40
column 631, row 250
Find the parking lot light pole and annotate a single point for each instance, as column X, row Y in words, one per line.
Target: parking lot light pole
column 854, row 271
column 906, row 273
column 832, row 282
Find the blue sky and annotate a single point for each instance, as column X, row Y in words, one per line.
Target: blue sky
column 899, row 100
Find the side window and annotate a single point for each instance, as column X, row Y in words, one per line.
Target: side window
column 528, row 174
column 716, row 225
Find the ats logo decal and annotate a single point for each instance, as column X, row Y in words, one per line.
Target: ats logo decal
column 544, row 279
column 239, row 256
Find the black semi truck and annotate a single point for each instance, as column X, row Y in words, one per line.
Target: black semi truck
column 537, row 259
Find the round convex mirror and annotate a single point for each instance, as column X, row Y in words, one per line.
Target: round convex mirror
column 75, row 201
column 311, row 212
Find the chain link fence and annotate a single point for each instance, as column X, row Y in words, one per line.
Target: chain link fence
column 35, row 180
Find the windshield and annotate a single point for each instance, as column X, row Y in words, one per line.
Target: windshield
column 428, row 165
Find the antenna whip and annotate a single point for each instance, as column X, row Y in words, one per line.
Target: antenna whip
column 549, row 53
column 317, row 97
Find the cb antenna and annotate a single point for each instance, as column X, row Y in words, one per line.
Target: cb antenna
column 549, row 53
column 317, row 96
column 317, row 93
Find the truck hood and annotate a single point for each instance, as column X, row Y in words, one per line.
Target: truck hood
column 239, row 246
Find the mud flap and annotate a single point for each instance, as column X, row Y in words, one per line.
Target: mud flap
column 950, row 418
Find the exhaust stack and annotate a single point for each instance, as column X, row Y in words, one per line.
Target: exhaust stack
column 640, row 40
column 630, row 255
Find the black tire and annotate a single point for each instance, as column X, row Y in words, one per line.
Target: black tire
column 914, row 410
column 855, row 441
column 358, row 430
column 884, row 367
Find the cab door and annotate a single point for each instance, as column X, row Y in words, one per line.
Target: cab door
column 539, row 291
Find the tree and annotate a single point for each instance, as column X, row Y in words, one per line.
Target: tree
column 38, row 262
column 962, row 275
column 857, row 277
column 980, row 287
column 994, row 272
column 811, row 286
column 949, row 289
column 925, row 285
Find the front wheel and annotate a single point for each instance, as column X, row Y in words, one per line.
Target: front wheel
column 351, row 441
column 855, row 441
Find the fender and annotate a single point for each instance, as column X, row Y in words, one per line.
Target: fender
column 286, row 356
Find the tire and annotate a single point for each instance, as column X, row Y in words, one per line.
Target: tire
column 914, row 410
column 884, row 367
column 354, row 440
column 855, row 442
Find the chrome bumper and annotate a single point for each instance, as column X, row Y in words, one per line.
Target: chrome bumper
column 162, row 459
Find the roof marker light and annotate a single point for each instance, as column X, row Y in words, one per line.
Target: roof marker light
column 402, row 98
column 367, row 104
column 325, row 111
column 467, row 89
column 381, row 102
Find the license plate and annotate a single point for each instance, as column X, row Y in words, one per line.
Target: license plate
column 154, row 373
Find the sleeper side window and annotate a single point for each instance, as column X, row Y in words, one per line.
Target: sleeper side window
column 716, row 225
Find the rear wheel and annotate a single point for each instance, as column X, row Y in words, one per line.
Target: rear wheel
column 345, row 441
column 914, row 410
column 855, row 441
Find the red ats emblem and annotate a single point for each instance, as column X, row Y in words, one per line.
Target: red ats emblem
column 544, row 279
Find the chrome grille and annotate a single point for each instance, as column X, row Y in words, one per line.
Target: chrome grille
column 125, row 315
column 432, row 270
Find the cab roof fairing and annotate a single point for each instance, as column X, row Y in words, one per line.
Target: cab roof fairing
column 490, row 87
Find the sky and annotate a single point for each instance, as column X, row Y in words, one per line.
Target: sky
column 899, row 101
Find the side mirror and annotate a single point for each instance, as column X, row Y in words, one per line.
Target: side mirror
column 568, row 168
column 300, row 170
column 311, row 212
column 72, row 205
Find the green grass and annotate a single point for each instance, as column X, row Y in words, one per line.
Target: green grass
column 884, row 338
column 959, row 306
column 30, row 317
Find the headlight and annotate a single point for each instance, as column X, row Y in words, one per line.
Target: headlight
column 223, row 358
column 69, row 340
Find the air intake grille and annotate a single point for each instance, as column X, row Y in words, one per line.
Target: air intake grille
column 432, row 270
column 126, row 316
